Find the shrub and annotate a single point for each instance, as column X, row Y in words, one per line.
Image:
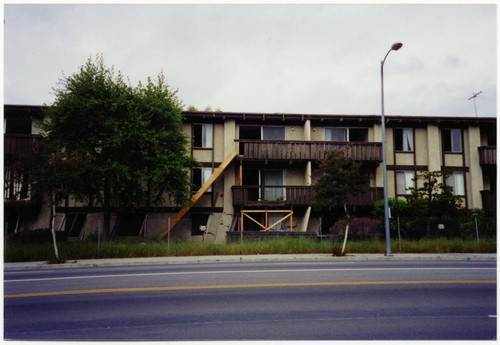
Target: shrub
column 359, row 228
column 36, row 236
column 486, row 223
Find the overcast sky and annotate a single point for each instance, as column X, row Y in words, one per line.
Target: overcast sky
column 281, row 58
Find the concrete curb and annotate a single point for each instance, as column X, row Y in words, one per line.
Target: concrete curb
column 243, row 258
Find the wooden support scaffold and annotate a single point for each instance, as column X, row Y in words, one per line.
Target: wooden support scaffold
column 265, row 226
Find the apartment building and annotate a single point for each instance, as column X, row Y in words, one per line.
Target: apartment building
column 263, row 168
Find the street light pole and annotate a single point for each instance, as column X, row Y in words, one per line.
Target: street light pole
column 395, row 46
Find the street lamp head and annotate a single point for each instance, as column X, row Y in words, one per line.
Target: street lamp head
column 396, row 46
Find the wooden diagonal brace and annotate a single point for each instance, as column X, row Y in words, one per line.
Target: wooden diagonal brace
column 199, row 193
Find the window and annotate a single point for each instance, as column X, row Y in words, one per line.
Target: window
column 452, row 140
column 201, row 176
column 456, row 180
column 345, row 134
column 403, row 139
column 273, row 178
column 199, row 223
column 202, row 135
column 404, row 180
column 17, row 125
column 74, row 224
column 273, row 133
column 16, row 186
column 358, row 134
column 335, row 134
column 129, row 224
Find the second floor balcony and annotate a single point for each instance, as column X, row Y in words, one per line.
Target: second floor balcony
column 487, row 155
column 20, row 144
column 489, row 199
column 293, row 196
column 308, row 150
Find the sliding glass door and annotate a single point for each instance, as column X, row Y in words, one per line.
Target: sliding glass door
column 272, row 178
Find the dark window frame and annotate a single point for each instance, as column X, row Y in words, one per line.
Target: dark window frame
column 450, row 140
column 399, row 140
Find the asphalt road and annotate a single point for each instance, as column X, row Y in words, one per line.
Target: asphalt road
column 356, row 300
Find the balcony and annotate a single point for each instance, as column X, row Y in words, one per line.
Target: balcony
column 489, row 198
column 307, row 150
column 487, row 155
column 293, row 196
column 20, row 144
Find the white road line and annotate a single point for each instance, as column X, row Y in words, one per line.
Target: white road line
column 251, row 271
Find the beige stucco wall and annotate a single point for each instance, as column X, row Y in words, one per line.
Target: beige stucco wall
column 474, row 179
column 230, row 174
column 389, row 146
column 294, row 133
column 219, row 142
column 421, row 152
column 404, row 158
column 295, row 177
column 307, row 130
column 316, row 133
column 433, row 148
column 453, row 159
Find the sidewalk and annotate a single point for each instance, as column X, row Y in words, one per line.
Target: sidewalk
column 243, row 258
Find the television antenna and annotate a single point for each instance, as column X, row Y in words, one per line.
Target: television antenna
column 474, row 95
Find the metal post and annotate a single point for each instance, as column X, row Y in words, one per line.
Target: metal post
column 399, row 236
column 98, row 236
column 6, row 229
column 241, row 240
column 395, row 46
column 384, row 169
column 321, row 233
column 168, row 237
column 477, row 233
column 242, row 220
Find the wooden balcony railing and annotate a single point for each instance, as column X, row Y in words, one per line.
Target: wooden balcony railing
column 487, row 155
column 489, row 198
column 308, row 150
column 20, row 144
column 293, row 196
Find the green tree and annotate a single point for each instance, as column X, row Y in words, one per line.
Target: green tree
column 339, row 177
column 432, row 198
column 129, row 141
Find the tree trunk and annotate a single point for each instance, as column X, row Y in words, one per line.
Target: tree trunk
column 428, row 227
column 345, row 238
column 106, row 231
column 53, row 224
column 346, row 229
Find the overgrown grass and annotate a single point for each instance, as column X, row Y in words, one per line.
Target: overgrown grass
column 130, row 248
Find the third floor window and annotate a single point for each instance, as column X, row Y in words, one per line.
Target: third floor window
column 345, row 134
column 403, row 139
column 203, row 135
column 273, row 133
column 336, row 134
column 452, row 140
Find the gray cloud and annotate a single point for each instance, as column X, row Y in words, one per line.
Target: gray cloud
column 267, row 58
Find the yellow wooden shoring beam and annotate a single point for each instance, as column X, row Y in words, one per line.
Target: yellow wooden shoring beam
column 266, row 227
column 199, row 193
column 255, row 221
column 279, row 221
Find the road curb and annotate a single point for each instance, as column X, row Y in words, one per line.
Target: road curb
column 243, row 258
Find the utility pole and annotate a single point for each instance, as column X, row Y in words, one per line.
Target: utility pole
column 474, row 95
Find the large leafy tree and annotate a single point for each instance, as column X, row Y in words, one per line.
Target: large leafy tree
column 339, row 178
column 128, row 141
